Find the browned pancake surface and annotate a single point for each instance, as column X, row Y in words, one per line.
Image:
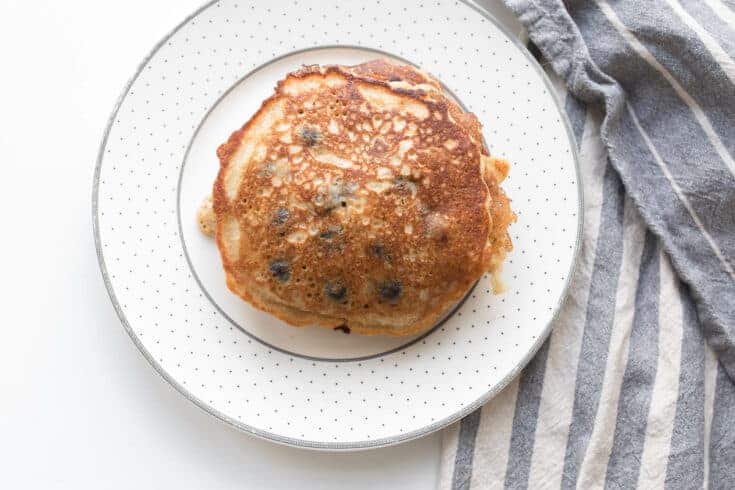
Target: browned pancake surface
column 359, row 196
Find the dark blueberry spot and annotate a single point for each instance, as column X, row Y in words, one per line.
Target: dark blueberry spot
column 394, row 78
column 343, row 328
column 310, row 135
column 280, row 270
column 390, row 290
column 378, row 250
column 280, row 216
column 331, row 232
column 336, row 290
column 405, row 185
column 331, row 239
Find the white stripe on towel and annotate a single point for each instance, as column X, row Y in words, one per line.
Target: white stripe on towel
column 719, row 54
column 665, row 389
column 646, row 55
column 722, row 11
column 493, row 439
column 710, row 380
column 594, row 463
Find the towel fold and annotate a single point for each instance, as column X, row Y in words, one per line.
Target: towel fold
column 634, row 387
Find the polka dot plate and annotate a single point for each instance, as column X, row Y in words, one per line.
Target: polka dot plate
column 312, row 387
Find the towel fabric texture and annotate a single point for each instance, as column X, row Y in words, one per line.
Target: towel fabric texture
column 634, row 387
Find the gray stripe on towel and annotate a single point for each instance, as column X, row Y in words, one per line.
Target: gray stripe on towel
column 523, row 433
column 465, row 451
column 685, row 467
column 598, row 325
column 640, row 374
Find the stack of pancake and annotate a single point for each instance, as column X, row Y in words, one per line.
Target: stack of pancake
column 360, row 198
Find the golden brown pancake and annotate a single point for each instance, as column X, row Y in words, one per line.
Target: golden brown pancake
column 361, row 197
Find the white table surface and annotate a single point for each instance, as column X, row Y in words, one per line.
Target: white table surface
column 79, row 405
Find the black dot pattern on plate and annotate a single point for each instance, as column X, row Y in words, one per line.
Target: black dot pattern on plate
column 290, row 397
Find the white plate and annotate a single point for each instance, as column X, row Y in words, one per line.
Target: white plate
column 312, row 387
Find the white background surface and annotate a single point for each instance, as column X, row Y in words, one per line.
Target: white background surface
column 79, row 406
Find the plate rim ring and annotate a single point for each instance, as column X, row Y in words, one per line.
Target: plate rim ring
column 421, row 336
column 321, row 445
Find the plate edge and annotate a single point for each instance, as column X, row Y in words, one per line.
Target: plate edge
column 317, row 445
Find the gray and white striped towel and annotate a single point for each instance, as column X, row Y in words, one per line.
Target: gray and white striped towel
column 634, row 388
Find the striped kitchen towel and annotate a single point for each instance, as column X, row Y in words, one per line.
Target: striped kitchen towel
column 634, row 387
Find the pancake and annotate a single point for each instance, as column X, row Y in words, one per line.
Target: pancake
column 358, row 198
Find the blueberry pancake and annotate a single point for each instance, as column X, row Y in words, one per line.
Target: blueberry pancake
column 358, row 197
